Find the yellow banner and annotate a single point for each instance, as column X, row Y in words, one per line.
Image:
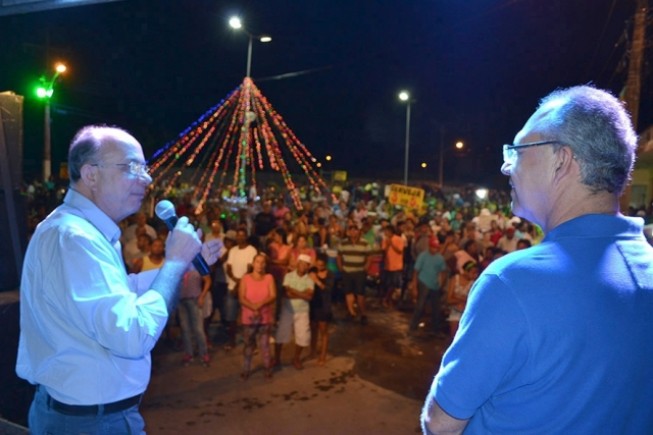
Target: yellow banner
column 339, row 176
column 406, row 196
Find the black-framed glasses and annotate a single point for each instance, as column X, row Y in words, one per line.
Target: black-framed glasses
column 134, row 168
column 510, row 150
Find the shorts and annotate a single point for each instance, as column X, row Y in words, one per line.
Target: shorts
column 354, row 282
column 297, row 322
column 392, row 280
column 454, row 314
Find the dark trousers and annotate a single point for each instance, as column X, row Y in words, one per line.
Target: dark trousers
column 425, row 296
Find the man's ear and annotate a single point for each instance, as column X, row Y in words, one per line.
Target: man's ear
column 564, row 161
column 89, row 175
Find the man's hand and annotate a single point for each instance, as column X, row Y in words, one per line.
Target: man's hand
column 183, row 243
column 211, row 250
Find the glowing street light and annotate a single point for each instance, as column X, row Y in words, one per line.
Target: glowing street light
column 460, row 145
column 405, row 96
column 45, row 92
column 423, row 165
column 237, row 24
column 328, row 158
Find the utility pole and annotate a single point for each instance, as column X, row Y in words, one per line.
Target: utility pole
column 634, row 78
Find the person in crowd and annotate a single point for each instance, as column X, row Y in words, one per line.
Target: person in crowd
column 257, row 294
column 557, row 338
column 219, row 286
column 298, row 291
column 264, row 222
column 300, row 247
column 429, row 277
column 140, row 223
column 153, row 260
column 216, row 231
column 353, row 261
column 495, row 233
column 393, row 262
column 87, row 330
column 192, row 297
column 469, row 252
column 457, row 293
column 133, row 253
column 320, row 308
column 508, row 242
column 523, row 244
column 239, row 262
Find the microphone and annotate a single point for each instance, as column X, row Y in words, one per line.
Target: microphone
column 166, row 212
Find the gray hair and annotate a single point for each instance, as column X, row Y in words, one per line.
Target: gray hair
column 85, row 148
column 597, row 127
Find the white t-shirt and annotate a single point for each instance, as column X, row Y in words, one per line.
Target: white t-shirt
column 239, row 260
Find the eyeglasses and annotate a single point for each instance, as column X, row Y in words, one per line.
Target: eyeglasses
column 134, row 168
column 510, row 150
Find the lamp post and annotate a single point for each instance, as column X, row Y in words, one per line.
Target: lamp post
column 405, row 96
column 459, row 146
column 236, row 23
column 45, row 92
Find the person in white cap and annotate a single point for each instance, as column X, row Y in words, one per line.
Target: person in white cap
column 297, row 291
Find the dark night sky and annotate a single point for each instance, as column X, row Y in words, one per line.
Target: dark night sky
column 475, row 67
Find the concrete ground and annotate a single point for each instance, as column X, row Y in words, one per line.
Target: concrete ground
column 374, row 381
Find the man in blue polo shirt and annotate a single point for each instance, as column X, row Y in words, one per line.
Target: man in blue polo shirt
column 558, row 338
column 428, row 278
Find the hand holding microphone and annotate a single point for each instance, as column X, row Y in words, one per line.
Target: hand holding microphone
column 165, row 210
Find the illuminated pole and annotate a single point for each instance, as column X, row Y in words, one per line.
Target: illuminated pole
column 236, row 23
column 45, row 92
column 405, row 96
column 441, row 160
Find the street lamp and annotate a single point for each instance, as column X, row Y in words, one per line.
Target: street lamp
column 405, row 96
column 237, row 24
column 45, row 92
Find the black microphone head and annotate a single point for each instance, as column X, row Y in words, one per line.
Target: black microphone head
column 165, row 210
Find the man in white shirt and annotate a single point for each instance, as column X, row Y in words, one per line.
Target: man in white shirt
column 239, row 262
column 87, row 328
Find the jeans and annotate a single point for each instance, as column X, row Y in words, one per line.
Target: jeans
column 43, row 420
column 424, row 296
column 192, row 324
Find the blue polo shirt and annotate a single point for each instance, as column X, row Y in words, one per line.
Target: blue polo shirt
column 558, row 338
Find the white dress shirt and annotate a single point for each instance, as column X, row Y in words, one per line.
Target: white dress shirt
column 86, row 329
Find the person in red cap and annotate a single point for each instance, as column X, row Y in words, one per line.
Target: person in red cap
column 508, row 242
column 429, row 276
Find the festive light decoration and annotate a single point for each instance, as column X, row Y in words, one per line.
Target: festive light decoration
column 235, row 135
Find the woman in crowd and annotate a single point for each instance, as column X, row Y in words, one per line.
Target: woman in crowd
column 459, row 286
column 300, row 247
column 320, row 308
column 257, row 294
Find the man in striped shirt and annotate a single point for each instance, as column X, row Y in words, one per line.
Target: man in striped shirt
column 353, row 258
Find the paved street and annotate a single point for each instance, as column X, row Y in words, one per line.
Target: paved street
column 375, row 381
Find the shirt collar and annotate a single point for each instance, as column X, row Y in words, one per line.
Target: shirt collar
column 598, row 225
column 93, row 214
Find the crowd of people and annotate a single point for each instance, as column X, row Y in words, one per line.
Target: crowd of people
column 558, row 320
column 281, row 269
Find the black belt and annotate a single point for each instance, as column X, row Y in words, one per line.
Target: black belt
column 78, row 410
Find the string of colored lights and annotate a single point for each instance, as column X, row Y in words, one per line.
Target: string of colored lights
column 234, row 136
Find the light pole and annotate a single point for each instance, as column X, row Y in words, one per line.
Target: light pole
column 405, row 96
column 44, row 92
column 236, row 23
column 459, row 146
